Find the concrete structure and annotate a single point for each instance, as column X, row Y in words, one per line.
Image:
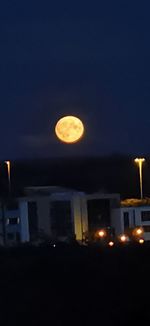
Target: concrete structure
column 14, row 222
column 100, row 209
column 132, row 213
column 45, row 213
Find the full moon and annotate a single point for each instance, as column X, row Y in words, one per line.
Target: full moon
column 69, row 129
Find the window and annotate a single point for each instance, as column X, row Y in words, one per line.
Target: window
column 146, row 228
column 98, row 213
column 60, row 215
column 33, row 218
column 145, row 216
column 133, row 217
column 13, row 220
column 126, row 220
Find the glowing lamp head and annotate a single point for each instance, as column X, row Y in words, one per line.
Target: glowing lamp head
column 141, row 241
column 123, row 238
column 101, row 233
column 139, row 160
column 110, row 243
column 139, row 231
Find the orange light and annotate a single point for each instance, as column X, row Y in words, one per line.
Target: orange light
column 8, row 171
column 123, row 238
column 139, row 231
column 138, row 160
column 101, row 233
column 111, row 243
column 141, row 241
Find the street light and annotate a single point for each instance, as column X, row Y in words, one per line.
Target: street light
column 8, row 172
column 3, row 206
column 140, row 162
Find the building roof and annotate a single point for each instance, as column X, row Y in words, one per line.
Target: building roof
column 46, row 190
column 134, row 202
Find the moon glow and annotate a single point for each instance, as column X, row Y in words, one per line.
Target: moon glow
column 69, row 129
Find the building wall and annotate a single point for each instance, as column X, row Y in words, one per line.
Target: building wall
column 135, row 219
column 18, row 230
column 79, row 211
column 42, row 213
column 24, row 224
column 101, row 209
column 61, row 215
column 117, row 221
column 12, row 225
column 139, row 221
column 78, row 215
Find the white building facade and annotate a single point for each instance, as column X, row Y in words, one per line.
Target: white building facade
column 132, row 216
column 45, row 213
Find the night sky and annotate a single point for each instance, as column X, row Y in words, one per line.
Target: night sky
column 85, row 58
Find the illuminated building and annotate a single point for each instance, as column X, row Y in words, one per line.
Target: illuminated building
column 99, row 209
column 133, row 213
column 14, row 216
column 46, row 213
column 58, row 213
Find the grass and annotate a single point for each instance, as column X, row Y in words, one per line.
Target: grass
column 56, row 286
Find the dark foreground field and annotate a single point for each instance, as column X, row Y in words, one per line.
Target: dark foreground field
column 57, row 286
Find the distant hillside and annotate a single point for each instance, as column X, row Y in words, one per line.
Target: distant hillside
column 111, row 174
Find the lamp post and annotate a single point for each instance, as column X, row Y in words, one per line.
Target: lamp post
column 3, row 203
column 140, row 162
column 8, row 172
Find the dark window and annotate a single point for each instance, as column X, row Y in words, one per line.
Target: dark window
column 133, row 216
column 126, row 220
column 145, row 216
column 13, row 220
column 146, row 228
column 10, row 236
column 60, row 215
column 98, row 213
column 33, row 218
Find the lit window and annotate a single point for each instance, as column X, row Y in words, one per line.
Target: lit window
column 13, row 220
